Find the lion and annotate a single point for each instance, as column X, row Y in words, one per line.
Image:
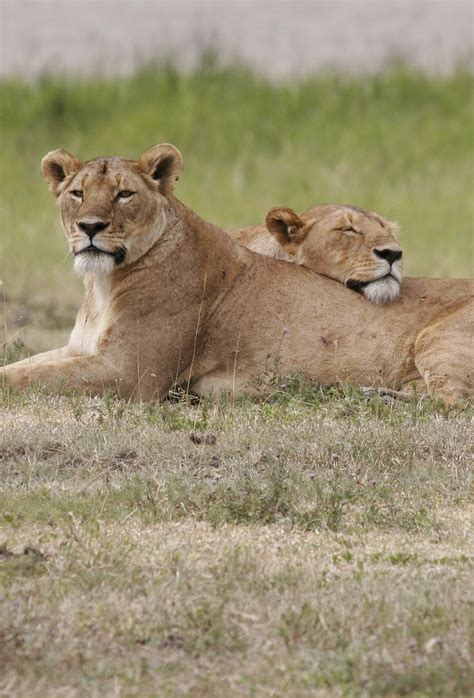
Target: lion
column 169, row 297
column 354, row 246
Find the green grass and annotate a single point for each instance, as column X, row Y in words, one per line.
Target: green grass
column 399, row 143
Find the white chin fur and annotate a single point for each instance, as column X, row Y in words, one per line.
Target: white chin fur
column 382, row 291
column 93, row 263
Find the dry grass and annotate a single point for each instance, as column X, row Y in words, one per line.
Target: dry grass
column 317, row 544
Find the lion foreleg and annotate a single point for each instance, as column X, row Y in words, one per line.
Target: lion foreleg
column 44, row 357
column 91, row 374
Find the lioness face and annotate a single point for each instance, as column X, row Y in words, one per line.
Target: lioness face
column 112, row 209
column 356, row 247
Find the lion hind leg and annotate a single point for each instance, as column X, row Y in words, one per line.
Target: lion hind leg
column 444, row 357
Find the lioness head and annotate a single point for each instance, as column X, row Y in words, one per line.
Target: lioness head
column 354, row 246
column 112, row 209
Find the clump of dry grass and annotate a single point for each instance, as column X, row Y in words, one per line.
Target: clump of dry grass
column 317, row 543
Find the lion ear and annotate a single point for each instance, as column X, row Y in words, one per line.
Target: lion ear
column 56, row 166
column 162, row 163
column 286, row 226
column 352, row 220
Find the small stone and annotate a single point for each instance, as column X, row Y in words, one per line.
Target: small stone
column 205, row 438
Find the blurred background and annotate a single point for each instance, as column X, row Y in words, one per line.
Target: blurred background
column 271, row 103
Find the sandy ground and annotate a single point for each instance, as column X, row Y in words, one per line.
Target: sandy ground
column 278, row 38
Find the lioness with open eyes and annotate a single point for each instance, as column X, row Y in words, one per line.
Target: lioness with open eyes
column 168, row 296
column 354, row 246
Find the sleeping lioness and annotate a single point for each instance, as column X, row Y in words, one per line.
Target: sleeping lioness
column 171, row 297
column 346, row 243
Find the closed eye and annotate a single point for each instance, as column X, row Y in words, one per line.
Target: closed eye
column 125, row 194
column 348, row 231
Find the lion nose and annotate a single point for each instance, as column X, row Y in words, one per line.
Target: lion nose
column 390, row 255
column 91, row 228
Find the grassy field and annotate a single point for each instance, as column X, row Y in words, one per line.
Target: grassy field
column 317, row 544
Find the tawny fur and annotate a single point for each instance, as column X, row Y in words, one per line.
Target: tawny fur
column 338, row 241
column 184, row 301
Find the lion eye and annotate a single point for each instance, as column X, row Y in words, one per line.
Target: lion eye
column 78, row 194
column 348, row 231
column 124, row 194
